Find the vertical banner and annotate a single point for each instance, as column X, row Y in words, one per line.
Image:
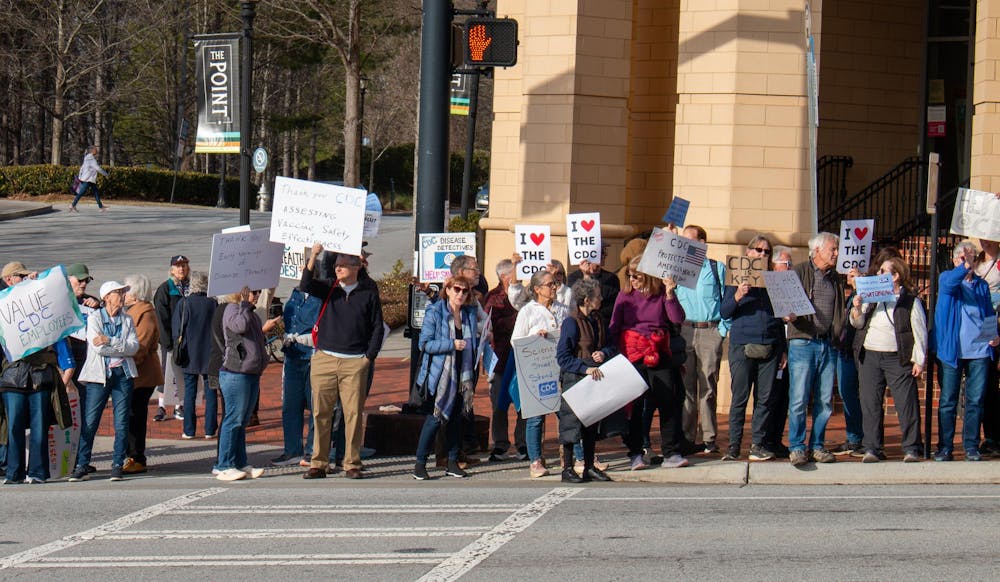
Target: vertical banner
column 583, row 237
column 217, row 74
column 534, row 245
column 460, row 93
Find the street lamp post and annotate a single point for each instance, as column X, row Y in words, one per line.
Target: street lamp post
column 363, row 85
column 248, row 10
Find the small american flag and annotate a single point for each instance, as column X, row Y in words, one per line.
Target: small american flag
column 695, row 256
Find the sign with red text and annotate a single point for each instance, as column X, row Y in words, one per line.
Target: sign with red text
column 855, row 245
column 36, row 313
column 534, row 244
column 438, row 250
column 583, row 237
column 875, row 289
column 669, row 255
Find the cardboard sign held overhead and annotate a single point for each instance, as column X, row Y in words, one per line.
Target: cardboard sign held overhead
column 677, row 213
column 669, row 255
column 742, row 269
column 855, row 245
column 309, row 212
column 36, row 313
column 583, row 237
column 438, row 250
column 534, row 245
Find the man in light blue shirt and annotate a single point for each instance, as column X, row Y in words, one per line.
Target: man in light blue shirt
column 703, row 332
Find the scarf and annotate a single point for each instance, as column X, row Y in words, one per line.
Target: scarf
column 451, row 387
column 112, row 329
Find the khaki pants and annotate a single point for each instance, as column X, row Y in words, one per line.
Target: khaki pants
column 336, row 379
column 701, row 381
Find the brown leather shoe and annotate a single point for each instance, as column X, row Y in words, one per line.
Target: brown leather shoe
column 314, row 473
column 354, row 474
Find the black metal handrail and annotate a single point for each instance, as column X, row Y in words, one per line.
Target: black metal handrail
column 891, row 200
column 831, row 182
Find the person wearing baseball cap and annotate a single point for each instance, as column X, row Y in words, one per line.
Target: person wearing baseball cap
column 168, row 295
column 79, row 277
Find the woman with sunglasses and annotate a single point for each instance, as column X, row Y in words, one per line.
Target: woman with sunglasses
column 640, row 324
column 543, row 315
column 448, row 341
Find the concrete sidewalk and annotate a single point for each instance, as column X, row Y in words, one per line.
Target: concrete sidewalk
column 11, row 209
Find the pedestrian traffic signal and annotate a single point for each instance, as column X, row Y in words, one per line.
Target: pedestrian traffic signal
column 490, row 42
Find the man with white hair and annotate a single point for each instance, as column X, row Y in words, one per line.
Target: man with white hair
column 812, row 340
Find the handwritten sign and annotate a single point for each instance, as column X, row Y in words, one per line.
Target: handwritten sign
column 876, row 289
column 373, row 215
column 534, row 244
column 786, row 294
column 309, row 212
column 977, row 214
column 438, row 250
column 855, row 245
column 593, row 400
column 244, row 259
column 677, row 213
column 583, row 237
column 743, row 269
column 63, row 443
column 987, row 330
column 36, row 313
column 537, row 374
column 670, row 255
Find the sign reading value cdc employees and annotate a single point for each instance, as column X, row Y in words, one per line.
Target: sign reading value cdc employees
column 36, row 313
column 307, row 212
column 438, row 250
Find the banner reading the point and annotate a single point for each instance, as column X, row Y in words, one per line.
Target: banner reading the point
column 583, row 237
column 309, row 212
column 36, row 313
column 438, row 250
column 534, row 243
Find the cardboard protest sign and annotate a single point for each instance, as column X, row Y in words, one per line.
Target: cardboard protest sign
column 534, row 245
column 63, row 443
column 36, row 313
column 593, row 400
column 855, row 245
column 743, row 269
column 677, row 213
column 373, row 215
column 977, row 214
column 537, row 374
column 306, row 212
column 438, row 250
column 786, row 294
column 667, row 254
column 244, row 259
column 583, row 237
column 875, row 289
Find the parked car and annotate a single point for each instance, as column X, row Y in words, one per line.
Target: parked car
column 483, row 199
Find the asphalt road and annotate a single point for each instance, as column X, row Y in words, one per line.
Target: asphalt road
column 278, row 528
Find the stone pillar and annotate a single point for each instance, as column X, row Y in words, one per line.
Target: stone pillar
column 986, row 98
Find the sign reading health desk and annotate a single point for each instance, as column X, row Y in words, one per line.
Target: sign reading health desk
column 786, row 294
column 583, row 237
column 534, row 244
column 537, row 374
column 244, row 259
column 669, row 255
column 977, row 214
column 875, row 289
column 309, row 212
column 36, row 313
column 438, row 250
column 855, row 245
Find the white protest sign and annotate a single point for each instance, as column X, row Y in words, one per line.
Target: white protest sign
column 537, row 374
column 292, row 262
column 855, row 245
column 438, row 250
column 786, row 294
column 534, row 244
column 583, row 237
column 977, row 214
column 373, row 215
column 667, row 254
column 63, row 443
column 36, row 313
column 743, row 269
column 309, row 212
column 987, row 330
column 875, row 289
column 483, row 342
column 244, row 259
column 593, row 400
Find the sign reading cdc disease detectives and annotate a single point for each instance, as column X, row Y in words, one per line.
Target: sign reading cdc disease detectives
column 977, row 214
column 669, row 255
column 244, row 259
column 306, row 212
column 537, row 374
column 438, row 250
column 36, row 313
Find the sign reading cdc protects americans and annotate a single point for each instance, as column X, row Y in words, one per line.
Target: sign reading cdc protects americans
column 438, row 250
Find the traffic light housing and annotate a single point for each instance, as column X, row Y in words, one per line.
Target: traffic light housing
column 490, row 42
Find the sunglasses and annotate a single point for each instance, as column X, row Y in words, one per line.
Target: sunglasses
column 551, row 284
column 762, row 251
column 460, row 289
column 635, row 275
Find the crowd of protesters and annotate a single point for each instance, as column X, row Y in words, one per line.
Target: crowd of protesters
column 137, row 342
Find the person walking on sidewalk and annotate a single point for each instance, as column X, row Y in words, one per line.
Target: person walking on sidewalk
column 88, row 178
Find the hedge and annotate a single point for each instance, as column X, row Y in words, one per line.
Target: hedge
column 126, row 183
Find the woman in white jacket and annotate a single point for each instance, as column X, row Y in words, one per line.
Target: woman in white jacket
column 108, row 370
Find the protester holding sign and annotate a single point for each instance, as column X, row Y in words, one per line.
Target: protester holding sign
column 891, row 348
column 965, row 330
column 640, row 325
column 988, row 269
column 108, row 371
column 26, row 387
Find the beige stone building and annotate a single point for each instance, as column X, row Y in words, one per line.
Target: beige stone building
column 616, row 106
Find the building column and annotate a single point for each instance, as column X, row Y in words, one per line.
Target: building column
column 986, row 99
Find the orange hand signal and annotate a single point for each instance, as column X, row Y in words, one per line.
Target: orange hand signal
column 478, row 42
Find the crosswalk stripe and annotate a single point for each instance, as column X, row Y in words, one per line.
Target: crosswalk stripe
column 341, row 509
column 233, row 561
column 343, row 532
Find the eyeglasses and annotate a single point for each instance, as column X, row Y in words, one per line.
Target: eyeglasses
column 551, row 284
column 635, row 275
column 460, row 290
column 786, row 263
column 762, row 251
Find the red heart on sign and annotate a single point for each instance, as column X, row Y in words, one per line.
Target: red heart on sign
column 860, row 233
column 587, row 224
column 537, row 238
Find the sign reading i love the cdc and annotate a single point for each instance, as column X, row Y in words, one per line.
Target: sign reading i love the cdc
column 37, row 313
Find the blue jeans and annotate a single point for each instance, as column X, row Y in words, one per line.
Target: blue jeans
column 534, row 431
column 211, row 405
column 847, row 386
column 811, row 373
column 119, row 387
column 24, row 411
column 84, row 188
column 975, row 389
column 239, row 392
column 296, row 399
column 453, row 433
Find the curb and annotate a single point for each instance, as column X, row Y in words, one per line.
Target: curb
column 11, row 209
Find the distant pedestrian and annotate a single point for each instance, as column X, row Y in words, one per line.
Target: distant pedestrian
column 89, row 170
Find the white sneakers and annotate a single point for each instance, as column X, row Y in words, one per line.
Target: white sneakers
column 229, row 474
column 252, row 472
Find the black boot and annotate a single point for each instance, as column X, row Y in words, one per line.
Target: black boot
column 568, row 474
column 420, row 472
column 454, row 470
column 592, row 474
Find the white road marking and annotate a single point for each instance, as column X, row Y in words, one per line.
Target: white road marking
column 333, row 532
column 468, row 557
column 233, row 561
column 108, row 528
column 342, row 509
column 788, row 498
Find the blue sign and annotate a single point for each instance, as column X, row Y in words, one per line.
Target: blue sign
column 677, row 212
